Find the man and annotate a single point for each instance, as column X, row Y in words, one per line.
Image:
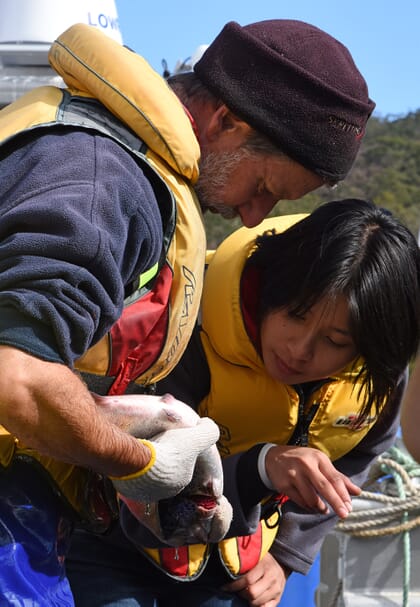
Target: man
column 102, row 249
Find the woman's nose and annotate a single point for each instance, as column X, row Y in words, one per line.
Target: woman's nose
column 302, row 348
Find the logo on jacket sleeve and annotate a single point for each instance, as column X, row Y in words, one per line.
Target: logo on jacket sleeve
column 354, row 421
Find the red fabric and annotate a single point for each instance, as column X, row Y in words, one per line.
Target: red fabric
column 249, row 547
column 250, row 291
column 175, row 560
column 138, row 336
column 193, row 122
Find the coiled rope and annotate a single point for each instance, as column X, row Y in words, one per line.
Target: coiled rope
column 401, row 510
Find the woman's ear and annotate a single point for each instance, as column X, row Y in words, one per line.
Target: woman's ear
column 224, row 126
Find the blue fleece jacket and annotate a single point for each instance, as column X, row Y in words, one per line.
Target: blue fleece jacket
column 79, row 222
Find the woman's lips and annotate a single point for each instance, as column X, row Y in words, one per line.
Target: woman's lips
column 285, row 368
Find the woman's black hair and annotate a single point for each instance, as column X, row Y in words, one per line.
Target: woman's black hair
column 354, row 248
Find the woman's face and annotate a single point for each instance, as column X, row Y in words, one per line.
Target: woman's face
column 297, row 349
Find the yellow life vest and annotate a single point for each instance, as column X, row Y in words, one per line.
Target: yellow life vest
column 252, row 408
column 238, row 555
column 94, row 67
column 238, row 375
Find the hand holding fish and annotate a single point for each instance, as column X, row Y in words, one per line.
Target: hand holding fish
column 179, row 495
column 174, row 454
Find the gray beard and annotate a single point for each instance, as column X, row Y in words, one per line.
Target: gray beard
column 215, row 171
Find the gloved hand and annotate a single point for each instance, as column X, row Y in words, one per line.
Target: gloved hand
column 221, row 521
column 171, row 466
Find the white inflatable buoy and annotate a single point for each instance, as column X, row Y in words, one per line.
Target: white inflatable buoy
column 27, row 30
column 28, row 27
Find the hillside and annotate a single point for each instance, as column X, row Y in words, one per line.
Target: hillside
column 386, row 171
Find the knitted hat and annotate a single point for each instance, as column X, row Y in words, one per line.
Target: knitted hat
column 295, row 84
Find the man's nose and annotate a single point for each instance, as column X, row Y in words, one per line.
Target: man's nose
column 256, row 210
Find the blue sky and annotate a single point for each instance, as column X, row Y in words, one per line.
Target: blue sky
column 382, row 35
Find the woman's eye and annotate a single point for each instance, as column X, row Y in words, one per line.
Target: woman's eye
column 296, row 316
column 337, row 344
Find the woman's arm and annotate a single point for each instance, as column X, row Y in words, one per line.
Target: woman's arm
column 301, row 533
column 410, row 413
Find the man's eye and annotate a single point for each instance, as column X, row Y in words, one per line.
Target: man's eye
column 261, row 188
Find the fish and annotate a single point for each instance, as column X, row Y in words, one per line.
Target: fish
column 200, row 513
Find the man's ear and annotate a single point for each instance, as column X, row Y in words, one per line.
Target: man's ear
column 224, row 125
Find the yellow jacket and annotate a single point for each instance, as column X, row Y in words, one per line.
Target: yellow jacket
column 247, row 404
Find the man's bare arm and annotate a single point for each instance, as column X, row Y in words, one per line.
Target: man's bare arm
column 49, row 409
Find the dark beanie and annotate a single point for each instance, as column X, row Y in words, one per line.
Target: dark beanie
column 295, row 84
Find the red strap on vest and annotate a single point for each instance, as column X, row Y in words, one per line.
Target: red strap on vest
column 137, row 338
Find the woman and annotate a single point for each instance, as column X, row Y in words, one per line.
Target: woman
column 410, row 413
column 308, row 324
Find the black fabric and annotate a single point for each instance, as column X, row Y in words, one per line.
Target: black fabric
column 251, row 489
column 190, row 380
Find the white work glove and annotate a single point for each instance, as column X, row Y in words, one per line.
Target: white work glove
column 221, row 521
column 171, row 466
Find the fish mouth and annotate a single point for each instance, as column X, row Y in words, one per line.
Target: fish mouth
column 204, row 502
column 187, row 519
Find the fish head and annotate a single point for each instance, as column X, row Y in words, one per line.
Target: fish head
column 183, row 520
column 192, row 519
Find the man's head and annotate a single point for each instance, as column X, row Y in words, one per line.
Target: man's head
column 295, row 84
column 248, row 180
column 242, row 173
column 280, row 109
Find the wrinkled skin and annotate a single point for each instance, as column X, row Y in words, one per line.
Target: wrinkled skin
column 200, row 513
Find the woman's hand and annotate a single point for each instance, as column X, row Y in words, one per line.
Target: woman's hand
column 308, row 477
column 263, row 585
